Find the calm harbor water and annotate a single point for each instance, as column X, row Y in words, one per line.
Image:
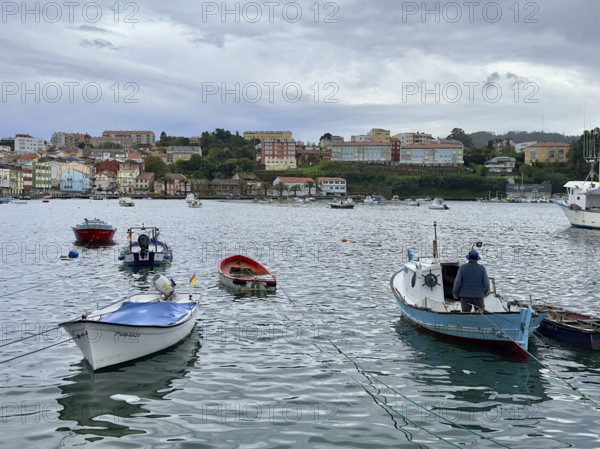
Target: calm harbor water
column 325, row 362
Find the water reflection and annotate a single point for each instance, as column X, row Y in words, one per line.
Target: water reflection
column 106, row 403
column 468, row 374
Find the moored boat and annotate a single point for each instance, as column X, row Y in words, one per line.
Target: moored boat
column 137, row 327
column 438, row 204
column 94, row 231
column 145, row 248
column 582, row 203
column 126, row 202
column 243, row 274
column 194, row 204
column 347, row 204
column 570, row 327
column 423, row 292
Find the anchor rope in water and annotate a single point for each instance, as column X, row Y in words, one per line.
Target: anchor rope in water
column 37, row 350
column 574, row 388
column 370, row 375
column 48, row 282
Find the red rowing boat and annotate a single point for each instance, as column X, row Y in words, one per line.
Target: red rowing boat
column 244, row 274
column 94, row 231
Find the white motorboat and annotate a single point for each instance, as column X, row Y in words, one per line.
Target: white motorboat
column 146, row 249
column 438, row 204
column 137, row 327
column 423, row 292
column 582, row 203
column 190, row 197
column 126, row 202
column 194, row 204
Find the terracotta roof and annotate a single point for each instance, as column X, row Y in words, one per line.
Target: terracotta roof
column 146, row 175
column 291, row 180
column 550, row 144
column 432, row 145
column 369, row 142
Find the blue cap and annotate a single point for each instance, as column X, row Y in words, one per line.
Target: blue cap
column 473, row 255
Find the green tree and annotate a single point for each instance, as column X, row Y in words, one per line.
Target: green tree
column 265, row 186
column 460, row 135
column 155, row 165
column 295, row 188
column 309, row 185
column 281, row 187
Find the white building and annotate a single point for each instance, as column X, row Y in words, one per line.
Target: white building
column 361, row 152
column 520, row 147
column 137, row 138
column 432, row 154
column 24, row 144
column 332, row 186
column 501, row 164
column 290, row 182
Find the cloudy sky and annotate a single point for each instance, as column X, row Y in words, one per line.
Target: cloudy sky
column 312, row 67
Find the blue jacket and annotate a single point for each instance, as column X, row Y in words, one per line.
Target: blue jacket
column 471, row 281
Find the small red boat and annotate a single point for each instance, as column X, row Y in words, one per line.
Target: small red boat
column 245, row 275
column 94, row 231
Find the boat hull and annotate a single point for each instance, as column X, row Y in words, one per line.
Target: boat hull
column 94, row 235
column 580, row 218
column 508, row 329
column 242, row 274
column 106, row 344
column 572, row 328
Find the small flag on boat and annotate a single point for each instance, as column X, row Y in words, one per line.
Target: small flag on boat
column 129, row 236
column 193, row 280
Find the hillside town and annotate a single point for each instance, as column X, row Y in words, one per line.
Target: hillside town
column 113, row 164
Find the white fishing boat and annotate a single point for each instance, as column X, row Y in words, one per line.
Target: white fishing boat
column 190, row 197
column 339, row 204
column 194, row 204
column 126, row 202
column 145, row 247
column 137, row 327
column 438, row 204
column 423, row 291
column 582, row 203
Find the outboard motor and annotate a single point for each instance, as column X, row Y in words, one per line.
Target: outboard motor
column 165, row 286
column 144, row 242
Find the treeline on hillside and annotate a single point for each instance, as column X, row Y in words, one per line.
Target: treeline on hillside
column 223, row 155
column 481, row 138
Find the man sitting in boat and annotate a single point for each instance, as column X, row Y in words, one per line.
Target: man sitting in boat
column 471, row 283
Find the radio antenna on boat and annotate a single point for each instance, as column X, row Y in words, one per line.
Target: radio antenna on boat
column 435, row 239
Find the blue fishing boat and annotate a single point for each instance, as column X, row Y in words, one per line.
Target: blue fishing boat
column 423, row 291
column 145, row 248
column 572, row 328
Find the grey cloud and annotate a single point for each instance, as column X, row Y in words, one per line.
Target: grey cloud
column 98, row 43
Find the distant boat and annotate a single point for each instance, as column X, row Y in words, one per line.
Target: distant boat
column 194, row 204
column 94, row 231
column 582, row 204
column 412, row 202
column 146, row 249
column 126, row 202
column 439, row 204
column 347, row 204
column 137, row 327
column 5, row 200
column 244, row 274
column 423, row 292
column 190, row 198
column 570, row 327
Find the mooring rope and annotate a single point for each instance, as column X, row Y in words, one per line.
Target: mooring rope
column 33, row 352
column 370, row 375
column 574, row 388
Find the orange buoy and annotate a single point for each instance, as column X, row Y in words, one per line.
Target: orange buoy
column 344, row 240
